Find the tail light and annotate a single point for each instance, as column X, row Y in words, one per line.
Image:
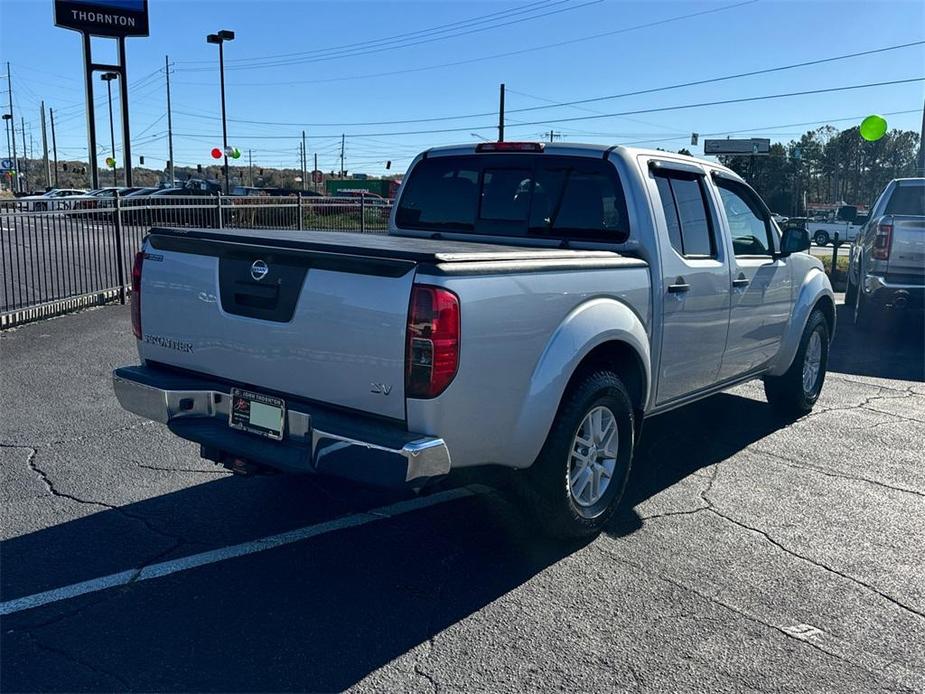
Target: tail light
column 509, row 147
column 136, row 293
column 432, row 354
column 882, row 242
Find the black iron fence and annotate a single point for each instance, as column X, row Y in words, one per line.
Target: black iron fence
column 58, row 255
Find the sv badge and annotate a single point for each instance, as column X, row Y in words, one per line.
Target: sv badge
column 380, row 388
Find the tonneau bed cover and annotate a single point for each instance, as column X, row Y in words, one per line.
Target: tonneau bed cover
column 384, row 246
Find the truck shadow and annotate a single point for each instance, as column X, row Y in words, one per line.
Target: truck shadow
column 319, row 615
column 323, row 614
column 894, row 347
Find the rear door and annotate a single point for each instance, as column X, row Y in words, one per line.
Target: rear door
column 761, row 282
column 328, row 328
column 695, row 284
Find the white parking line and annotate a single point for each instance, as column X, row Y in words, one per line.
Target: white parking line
column 165, row 568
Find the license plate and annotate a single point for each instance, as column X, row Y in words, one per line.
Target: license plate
column 257, row 413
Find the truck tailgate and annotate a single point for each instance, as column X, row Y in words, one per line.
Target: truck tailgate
column 906, row 263
column 320, row 326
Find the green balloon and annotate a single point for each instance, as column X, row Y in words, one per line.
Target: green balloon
column 873, row 128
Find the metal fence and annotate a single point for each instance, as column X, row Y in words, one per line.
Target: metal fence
column 58, row 255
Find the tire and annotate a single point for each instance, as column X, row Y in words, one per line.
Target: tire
column 794, row 394
column 821, row 238
column 851, row 291
column 562, row 509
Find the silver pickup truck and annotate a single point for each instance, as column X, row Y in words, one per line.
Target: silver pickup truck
column 887, row 266
column 530, row 306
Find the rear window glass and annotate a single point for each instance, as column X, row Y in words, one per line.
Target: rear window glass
column 907, row 200
column 516, row 195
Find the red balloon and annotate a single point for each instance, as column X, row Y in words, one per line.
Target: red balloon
column 216, row 153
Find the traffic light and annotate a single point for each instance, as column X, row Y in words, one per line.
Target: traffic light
column 199, row 168
column 141, row 161
column 388, row 165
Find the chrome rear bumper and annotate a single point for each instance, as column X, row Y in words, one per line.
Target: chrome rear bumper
column 366, row 451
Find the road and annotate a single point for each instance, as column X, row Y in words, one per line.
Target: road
column 753, row 555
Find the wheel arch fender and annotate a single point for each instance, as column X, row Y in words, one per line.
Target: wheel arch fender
column 587, row 329
column 815, row 290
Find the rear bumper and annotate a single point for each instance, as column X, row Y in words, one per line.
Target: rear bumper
column 882, row 291
column 317, row 440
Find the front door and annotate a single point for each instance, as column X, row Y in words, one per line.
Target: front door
column 761, row 282
column 695, row 286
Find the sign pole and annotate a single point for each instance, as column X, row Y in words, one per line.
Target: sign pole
column 54, row 142
column 123, row 99
column 91, row 114
column 45, row 148
column 9, row 84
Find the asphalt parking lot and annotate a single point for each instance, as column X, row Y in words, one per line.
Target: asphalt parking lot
column 754, row 555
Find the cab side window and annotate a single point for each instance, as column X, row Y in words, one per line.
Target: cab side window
column 748, row 223
column 690, row 227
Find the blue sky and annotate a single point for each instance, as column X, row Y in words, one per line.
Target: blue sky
column 330, row 89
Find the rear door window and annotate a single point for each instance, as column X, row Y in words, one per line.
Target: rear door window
column 516, row 195
column 690, row 227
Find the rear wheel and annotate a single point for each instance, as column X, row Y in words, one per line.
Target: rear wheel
column 795, row 393
column 579, row 476
column 821, row 238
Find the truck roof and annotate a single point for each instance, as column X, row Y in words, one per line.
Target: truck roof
column 585, row 149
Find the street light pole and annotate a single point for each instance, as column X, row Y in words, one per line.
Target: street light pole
column 108, row 77
column 220, row 38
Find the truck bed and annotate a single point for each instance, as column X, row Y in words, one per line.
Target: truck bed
column 412, row 249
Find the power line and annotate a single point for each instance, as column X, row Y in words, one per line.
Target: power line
column 409, row 44
column 390, row 39
column 468, row 61
column 560, row 104
column 661, row 109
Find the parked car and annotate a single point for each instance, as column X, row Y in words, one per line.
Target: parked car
column 845, row 222
column 54, row 199
column 188, row 206
column 530, row 307
column 887, row 265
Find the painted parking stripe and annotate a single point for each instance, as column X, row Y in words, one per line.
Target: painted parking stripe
column 172, row 566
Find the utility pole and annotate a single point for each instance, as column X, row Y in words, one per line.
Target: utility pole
column 501, row 115
column 250, row 165
column 169, row 125
column 314, row 183
column 921, row 144
column 341, row 156
column 54, row 143
column 9, row 86
column 304, row 160
column 45, row 149
column 25, row 156
column 553, row 135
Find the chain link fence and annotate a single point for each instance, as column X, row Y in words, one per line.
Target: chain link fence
column 56, row 256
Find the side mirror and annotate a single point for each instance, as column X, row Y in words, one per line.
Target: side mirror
column 794, row 240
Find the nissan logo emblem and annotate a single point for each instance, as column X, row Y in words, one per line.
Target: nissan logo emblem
column 259, row 270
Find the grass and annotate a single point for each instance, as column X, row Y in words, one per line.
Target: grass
column 841, row 264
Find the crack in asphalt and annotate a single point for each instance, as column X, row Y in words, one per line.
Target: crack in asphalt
column 731, row 608
column 790, row 462
column 863, row 405
column 711, row 508
column 816, row 563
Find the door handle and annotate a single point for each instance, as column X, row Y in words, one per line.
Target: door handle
column 679, row 286
column 740, row 282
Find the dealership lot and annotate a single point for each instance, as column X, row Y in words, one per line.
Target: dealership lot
column 753, row 555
